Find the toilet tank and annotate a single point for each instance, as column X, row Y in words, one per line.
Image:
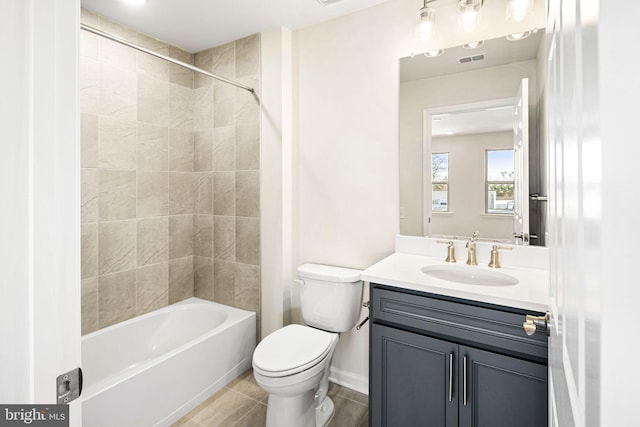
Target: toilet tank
column 330, row 296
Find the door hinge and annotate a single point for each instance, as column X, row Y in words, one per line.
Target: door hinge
column 69, row 386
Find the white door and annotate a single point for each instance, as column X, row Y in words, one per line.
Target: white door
column 521, row 164
column 40, row 193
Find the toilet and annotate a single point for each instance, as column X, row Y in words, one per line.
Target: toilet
column 292, row 363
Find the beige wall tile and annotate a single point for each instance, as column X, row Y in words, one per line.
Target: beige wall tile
column 180, row 107
column 152, row 288
column 153, row 240
column 89, row 195
column 224, row 106
column 248, row 193
column 89, row 18
column 118, row 30
column 203, row 277
column 150, row 65
column 203, row 60
column 180, row 150
column 223, row 60
column 180, row 236
column 178, row 74
column 203, row 150
column 180, row 193
column 153, row 100
column 118, row 94
column 89, row 249
column 117, row 195
column 89, row 45
column 89, row 298
column 89, row 140
column 247, row 106
column 89, row 86
column 248, row 147
column 116, row 298
column 224, row 149
column 224, row 238
column 223, row 282
column 248, row 56
column 153, row 147
column 248, row 240
column 153, row 194
column 116, row 246
column 203, row 108
column 180, row 279
column 224, row 184
column 203, row 193
column 118, row 143
column 247, row 287
column 203, row 236
column 117, row 55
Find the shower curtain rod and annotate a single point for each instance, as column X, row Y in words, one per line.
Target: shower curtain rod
column 161, row 56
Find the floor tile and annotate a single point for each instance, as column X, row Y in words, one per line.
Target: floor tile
column 347, row 412
column 186, row 422
column 256, row 418
column 224, row 409
column 246, row 384
column 335, row 389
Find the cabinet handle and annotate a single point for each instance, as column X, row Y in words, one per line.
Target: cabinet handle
column 450, row 377
column 464, row 381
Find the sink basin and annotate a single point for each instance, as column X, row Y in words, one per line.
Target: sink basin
column 469, row 275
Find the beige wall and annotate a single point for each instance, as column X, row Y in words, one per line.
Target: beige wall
column 467, row 186
column 169, row 177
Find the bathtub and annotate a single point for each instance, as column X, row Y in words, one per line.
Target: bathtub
column 153, row 369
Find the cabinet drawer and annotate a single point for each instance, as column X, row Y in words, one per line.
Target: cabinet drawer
column 482, row 327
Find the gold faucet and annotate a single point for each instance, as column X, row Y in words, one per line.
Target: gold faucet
column 451, row 254
column 471, row 249
column 495, row 260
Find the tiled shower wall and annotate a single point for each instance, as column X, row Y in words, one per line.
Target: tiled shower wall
column 163, row 178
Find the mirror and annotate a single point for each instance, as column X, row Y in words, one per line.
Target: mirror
column 470, row 155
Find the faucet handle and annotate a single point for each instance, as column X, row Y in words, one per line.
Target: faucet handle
column 475, row 236
column 495, row 259
column 451, row 250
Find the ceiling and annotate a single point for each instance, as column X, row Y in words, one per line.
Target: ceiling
column 497, row 52
column 496, row 119
column 196, row 25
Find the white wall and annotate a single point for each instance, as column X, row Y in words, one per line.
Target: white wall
column 454, row 89
column 467, row 186
column 346, row 74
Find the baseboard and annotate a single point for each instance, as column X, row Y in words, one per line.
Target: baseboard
column 350, row 380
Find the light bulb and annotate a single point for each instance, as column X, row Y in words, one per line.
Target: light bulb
column 135, row 2
column 469, row 14
column 426, row 24
column 517, row 10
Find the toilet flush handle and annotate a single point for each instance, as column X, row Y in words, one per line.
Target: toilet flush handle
column 299, row 282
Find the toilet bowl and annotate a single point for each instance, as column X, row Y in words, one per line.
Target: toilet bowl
column 292, row 364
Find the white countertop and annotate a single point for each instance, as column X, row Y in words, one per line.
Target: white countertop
column 404, row 271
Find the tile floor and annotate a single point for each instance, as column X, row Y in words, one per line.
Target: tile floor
column 242, row 403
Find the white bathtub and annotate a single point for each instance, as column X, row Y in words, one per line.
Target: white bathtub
column 153, row 369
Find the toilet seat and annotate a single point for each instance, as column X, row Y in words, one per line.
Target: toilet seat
column 292, row 349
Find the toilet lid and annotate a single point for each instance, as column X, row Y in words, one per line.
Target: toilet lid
column 292, row 349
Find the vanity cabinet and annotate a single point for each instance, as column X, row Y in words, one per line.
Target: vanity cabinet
column 438, row 361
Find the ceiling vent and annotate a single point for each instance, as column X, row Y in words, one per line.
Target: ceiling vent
column 472, row 58
column 329, row 2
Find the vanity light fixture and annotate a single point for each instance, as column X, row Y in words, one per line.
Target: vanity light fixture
column 517, row 10
column 473, row 45
column 434, row 53
column 426, row 25
column 469, row 14
column 134, row 2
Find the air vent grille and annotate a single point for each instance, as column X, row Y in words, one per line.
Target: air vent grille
column 329, row 2
column 472, row 58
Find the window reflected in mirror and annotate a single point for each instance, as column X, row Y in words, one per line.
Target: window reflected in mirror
column 500, row 177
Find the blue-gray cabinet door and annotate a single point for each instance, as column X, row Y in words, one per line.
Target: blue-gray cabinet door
column 413, row 380
column 499, row 390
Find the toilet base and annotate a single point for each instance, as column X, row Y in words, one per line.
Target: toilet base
column 324, row 412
